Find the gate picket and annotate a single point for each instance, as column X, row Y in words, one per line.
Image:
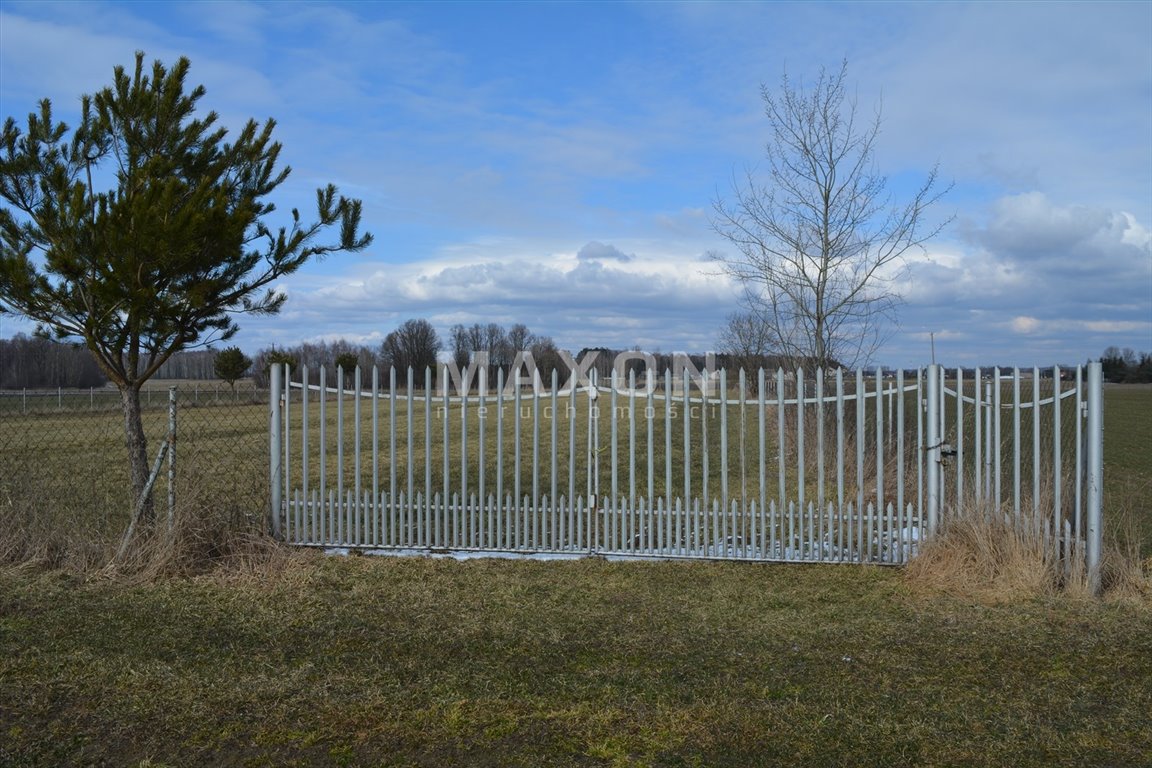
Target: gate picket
column 702, row 503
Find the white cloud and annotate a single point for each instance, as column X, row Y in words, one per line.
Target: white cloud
column 1024, row 324
column 659, row 296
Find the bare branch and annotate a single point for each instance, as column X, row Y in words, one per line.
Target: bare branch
column 817, row 245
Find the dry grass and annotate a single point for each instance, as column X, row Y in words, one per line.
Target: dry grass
column 978, row 555
column 983, row 555
column 986, row 555
column 210, row 531
column 36, row 536
column 201, row 540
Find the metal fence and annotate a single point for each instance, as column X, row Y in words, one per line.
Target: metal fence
column 849, row 467
column 31, row 401
column 63, row 457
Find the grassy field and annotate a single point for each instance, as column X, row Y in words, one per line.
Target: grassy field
column 375, row 661
column 274, row 657
column 1128, row 461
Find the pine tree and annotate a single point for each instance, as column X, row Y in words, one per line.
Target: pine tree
column 231, row 364
column 164, row 258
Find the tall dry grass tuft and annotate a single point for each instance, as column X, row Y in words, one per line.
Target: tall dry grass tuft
column 981, row 554
column 38, row 535
column 1124, row 576
column 209, row 534
column 986, row 554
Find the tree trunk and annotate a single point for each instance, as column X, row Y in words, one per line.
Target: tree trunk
column 137, row 445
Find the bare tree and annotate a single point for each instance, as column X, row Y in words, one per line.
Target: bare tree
column 461, row 348
column 821, row 243
column 520, row 339
column 746, row 340
column 494, row 340
column 415, row 344
column 547, row 358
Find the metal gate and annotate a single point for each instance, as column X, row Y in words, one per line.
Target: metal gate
column 855, row 467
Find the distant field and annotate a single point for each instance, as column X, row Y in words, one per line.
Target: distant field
column 1128, row 458
column 154, row 394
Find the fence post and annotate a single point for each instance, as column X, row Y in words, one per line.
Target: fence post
column 1095, row 474
column 275, row 446
column 171, row 458
column 932, row 437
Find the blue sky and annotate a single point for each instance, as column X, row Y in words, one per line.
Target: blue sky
column 555, row 164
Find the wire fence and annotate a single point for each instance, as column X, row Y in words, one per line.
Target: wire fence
column 64, row 460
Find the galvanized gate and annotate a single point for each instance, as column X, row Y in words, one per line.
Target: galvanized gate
column 844, row 467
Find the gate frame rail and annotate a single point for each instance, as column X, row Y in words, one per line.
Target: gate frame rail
column 931, row 408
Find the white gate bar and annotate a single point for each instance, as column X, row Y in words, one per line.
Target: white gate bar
column 275, row 467
column 932, row 456
column 879, row 452
column 650, row 418
column 1095, row 474
column 1016, row 443
column 723, row 441
column 861, row 405
column 821, row 531
column 1057, row 439
column 843, row 456
column 426, row 509
column 536, row 516
column 1081, row 413
column 980, row 408
column 800, row 458
column 1036, row 447
column 631, row 444
column 959, row 447
column 997, row 436
column 780, row 449
column 762, row 462
column 555, row 523
column 573, row 518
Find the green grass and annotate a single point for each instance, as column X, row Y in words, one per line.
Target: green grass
column 367, row 661
column 1128, row 461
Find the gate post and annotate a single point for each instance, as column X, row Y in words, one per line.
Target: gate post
column 171, row 458
column 932, row 449
column 1095, row 474
column 275, row 446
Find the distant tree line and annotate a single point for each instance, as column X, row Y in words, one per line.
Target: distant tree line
column 199, row 364
column 33, row 362
column 502, row 347
column 416, row 344
column 1126, row 366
